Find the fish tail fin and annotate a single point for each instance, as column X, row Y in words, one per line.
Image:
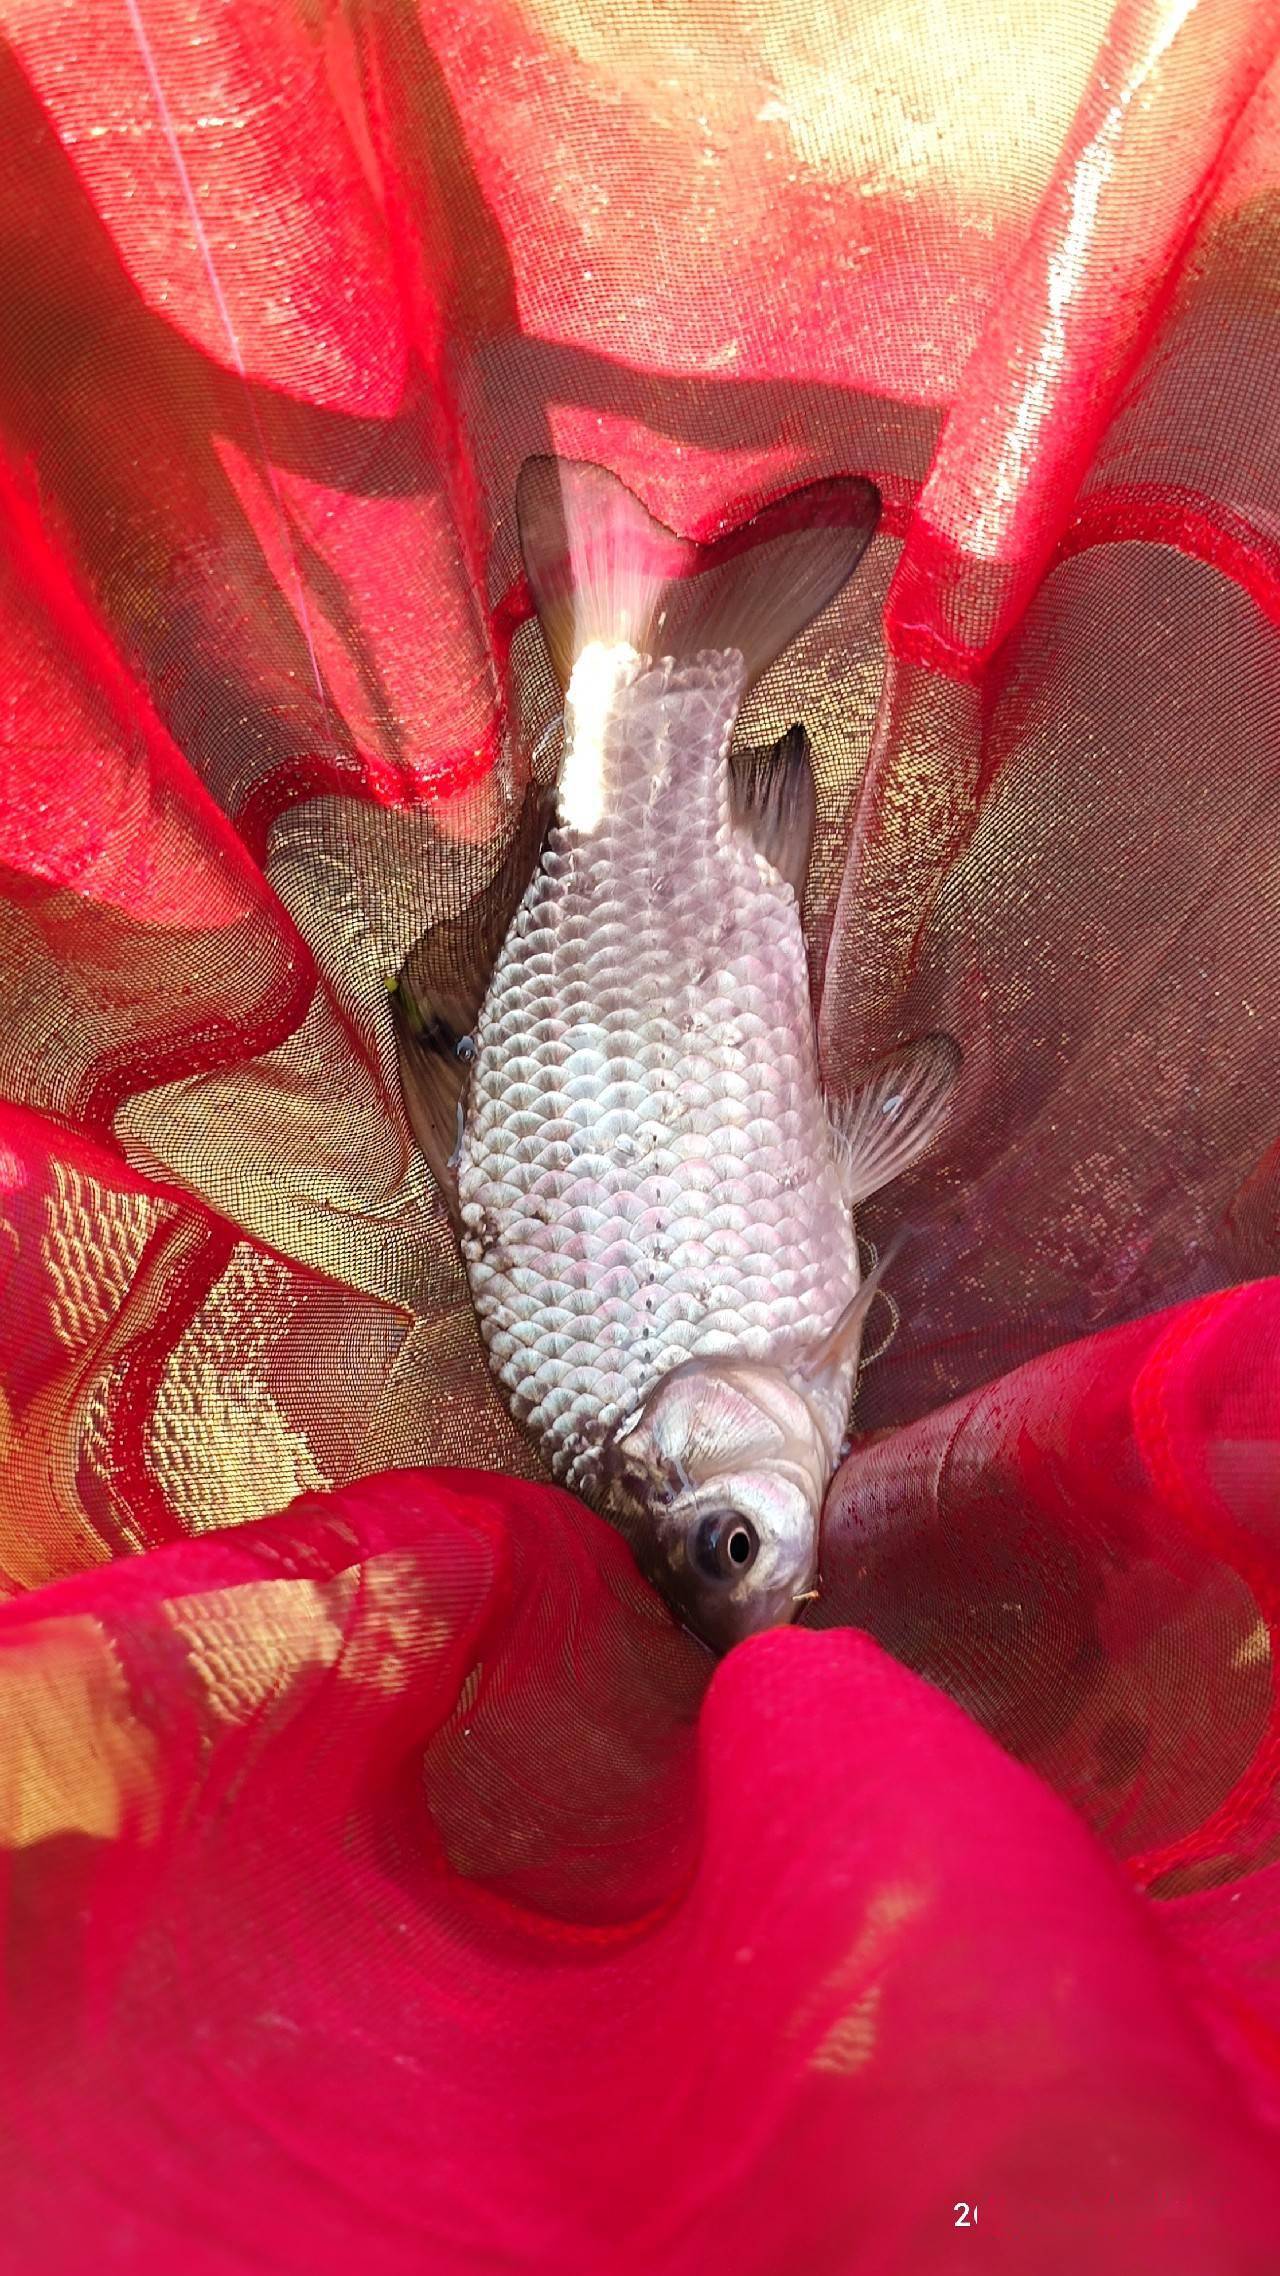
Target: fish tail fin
column 596, row 561
column 601, row 568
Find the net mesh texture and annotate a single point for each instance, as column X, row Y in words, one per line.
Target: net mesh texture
column 387, row 1882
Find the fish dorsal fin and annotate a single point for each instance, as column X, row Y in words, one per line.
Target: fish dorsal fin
column 894, row 1116
column 438, row 994
column 773, row 799
column 433, row 1080
column 601, row 568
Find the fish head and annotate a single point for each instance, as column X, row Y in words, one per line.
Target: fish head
column 717, row 1481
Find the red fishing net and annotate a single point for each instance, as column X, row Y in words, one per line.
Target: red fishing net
column 388, row 1883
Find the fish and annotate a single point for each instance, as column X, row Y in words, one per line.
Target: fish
column 610, row 1061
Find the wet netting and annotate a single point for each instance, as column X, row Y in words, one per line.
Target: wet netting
column 389, row 1884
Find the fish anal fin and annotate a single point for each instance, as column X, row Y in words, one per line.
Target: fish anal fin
column 894, row 1116
column 602, row 568
column 439, row 992
column 772, row 798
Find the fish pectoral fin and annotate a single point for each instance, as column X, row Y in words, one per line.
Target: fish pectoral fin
column 840, row 1344
column 439, row 992
column 773, row 800
column 601, row 567
column 894, row 1117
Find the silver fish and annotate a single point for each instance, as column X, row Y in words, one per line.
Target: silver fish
column 619, row 1090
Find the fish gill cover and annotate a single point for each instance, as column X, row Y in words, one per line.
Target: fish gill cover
column 388, row 1882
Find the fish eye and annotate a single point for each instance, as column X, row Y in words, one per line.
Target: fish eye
column 726, row 1546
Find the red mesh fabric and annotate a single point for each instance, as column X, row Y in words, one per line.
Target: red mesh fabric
column 390, row 1883
column 392, row 1926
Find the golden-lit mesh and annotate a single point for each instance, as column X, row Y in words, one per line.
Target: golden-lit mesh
column 734, row 254
column 163, row 1376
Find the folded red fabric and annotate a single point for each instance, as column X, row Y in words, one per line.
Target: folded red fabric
column 417, row 1896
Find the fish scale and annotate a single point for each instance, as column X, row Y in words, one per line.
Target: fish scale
column 646, row 1173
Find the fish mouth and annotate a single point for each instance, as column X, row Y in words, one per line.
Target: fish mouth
column 720, row 1619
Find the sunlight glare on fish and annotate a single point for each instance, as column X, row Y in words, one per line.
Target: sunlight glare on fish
column 590, row 692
